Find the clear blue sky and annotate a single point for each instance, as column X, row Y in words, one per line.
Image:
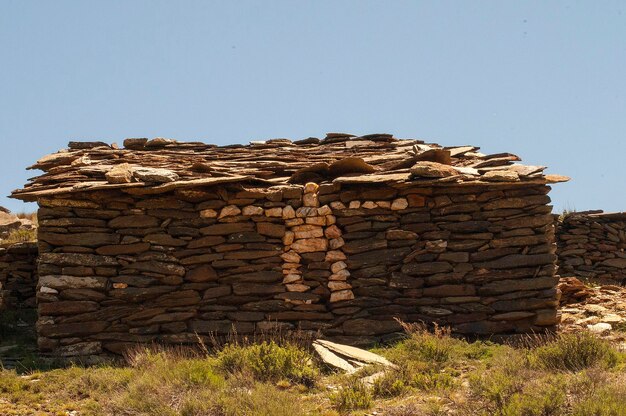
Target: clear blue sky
column 544, row 80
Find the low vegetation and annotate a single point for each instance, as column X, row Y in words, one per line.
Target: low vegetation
column 22, row 235
column 436, row 374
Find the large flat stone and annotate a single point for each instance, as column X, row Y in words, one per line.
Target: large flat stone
column 511, row 286
column 134, row 221
column 77, row 259
column 72, row 282
column 519, row 260
column 79, row 239
column 424, row 269
column 228, row 228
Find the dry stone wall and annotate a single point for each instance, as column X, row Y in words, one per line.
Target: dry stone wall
column 118, row 269
column 18, row 275
column 593, row 245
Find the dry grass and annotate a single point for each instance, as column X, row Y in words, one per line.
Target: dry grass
column 22, row 235
column 436, row 375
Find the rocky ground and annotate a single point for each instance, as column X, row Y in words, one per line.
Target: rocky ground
column 599, row 308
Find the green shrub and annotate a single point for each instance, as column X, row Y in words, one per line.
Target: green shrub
column 260, row 399
column 543, row 397
column 353, row 396
column 505, row 377
column 268, row 361
column 433, row 381
column 163, row 383
column 608, row 401
column 393, row 383
column 423, row 345
column 574, row 352
column 478, row 350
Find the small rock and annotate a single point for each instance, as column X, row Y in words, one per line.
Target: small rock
column 341, row 295
column 121, row 173
column 157, row 175
column 398, row 204
column 252, row 211
column 427, row 169
column 600, row 328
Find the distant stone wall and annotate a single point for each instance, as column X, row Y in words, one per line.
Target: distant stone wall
column 124, row 268
column 593, row 245
column 18, row 275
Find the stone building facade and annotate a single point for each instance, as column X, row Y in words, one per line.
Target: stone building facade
column 165, row 241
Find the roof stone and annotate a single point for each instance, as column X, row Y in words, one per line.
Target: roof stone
column 159, row 165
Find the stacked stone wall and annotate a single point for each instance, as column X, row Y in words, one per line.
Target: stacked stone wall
column 593, row 245
column 118, row 269
column 18, row 276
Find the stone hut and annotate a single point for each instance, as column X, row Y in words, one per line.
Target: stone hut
column 165, row 241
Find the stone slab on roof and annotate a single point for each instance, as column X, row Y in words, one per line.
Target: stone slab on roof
column 599, row 214
column 160, row 165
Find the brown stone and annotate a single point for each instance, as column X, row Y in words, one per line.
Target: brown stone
column 364, row 327
column 140, row 294
column 204, row 273
column 299, row 316
column 276, row 212
column 427, row 169
column 511, row 286
column 252, row 254
column 216, row 292
column 246, row 237
column 118, row 249
column 297, row 287
column 423, row 269
column 485, row 327
column 158, row 267
column 547, row 317
column 416, row 201
column 307, row 231
column 208, row 241
column 228, row 228
column 400, row 235
column 72, row 282
column 256, row 289
column 79, row 239
column 77, row 259
column 61, row 330
column 66, row 307
column 512, row 316
column 178, row 298
column 270, row 229
column 164, row 240
column 449, row 290
column 360, row 246
column 519, row 260
column 79, row 349
column 310, row 245
column 229, row 211
column 82, row 294
column 202, row 258
column 134, row 221
column 208, row 213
